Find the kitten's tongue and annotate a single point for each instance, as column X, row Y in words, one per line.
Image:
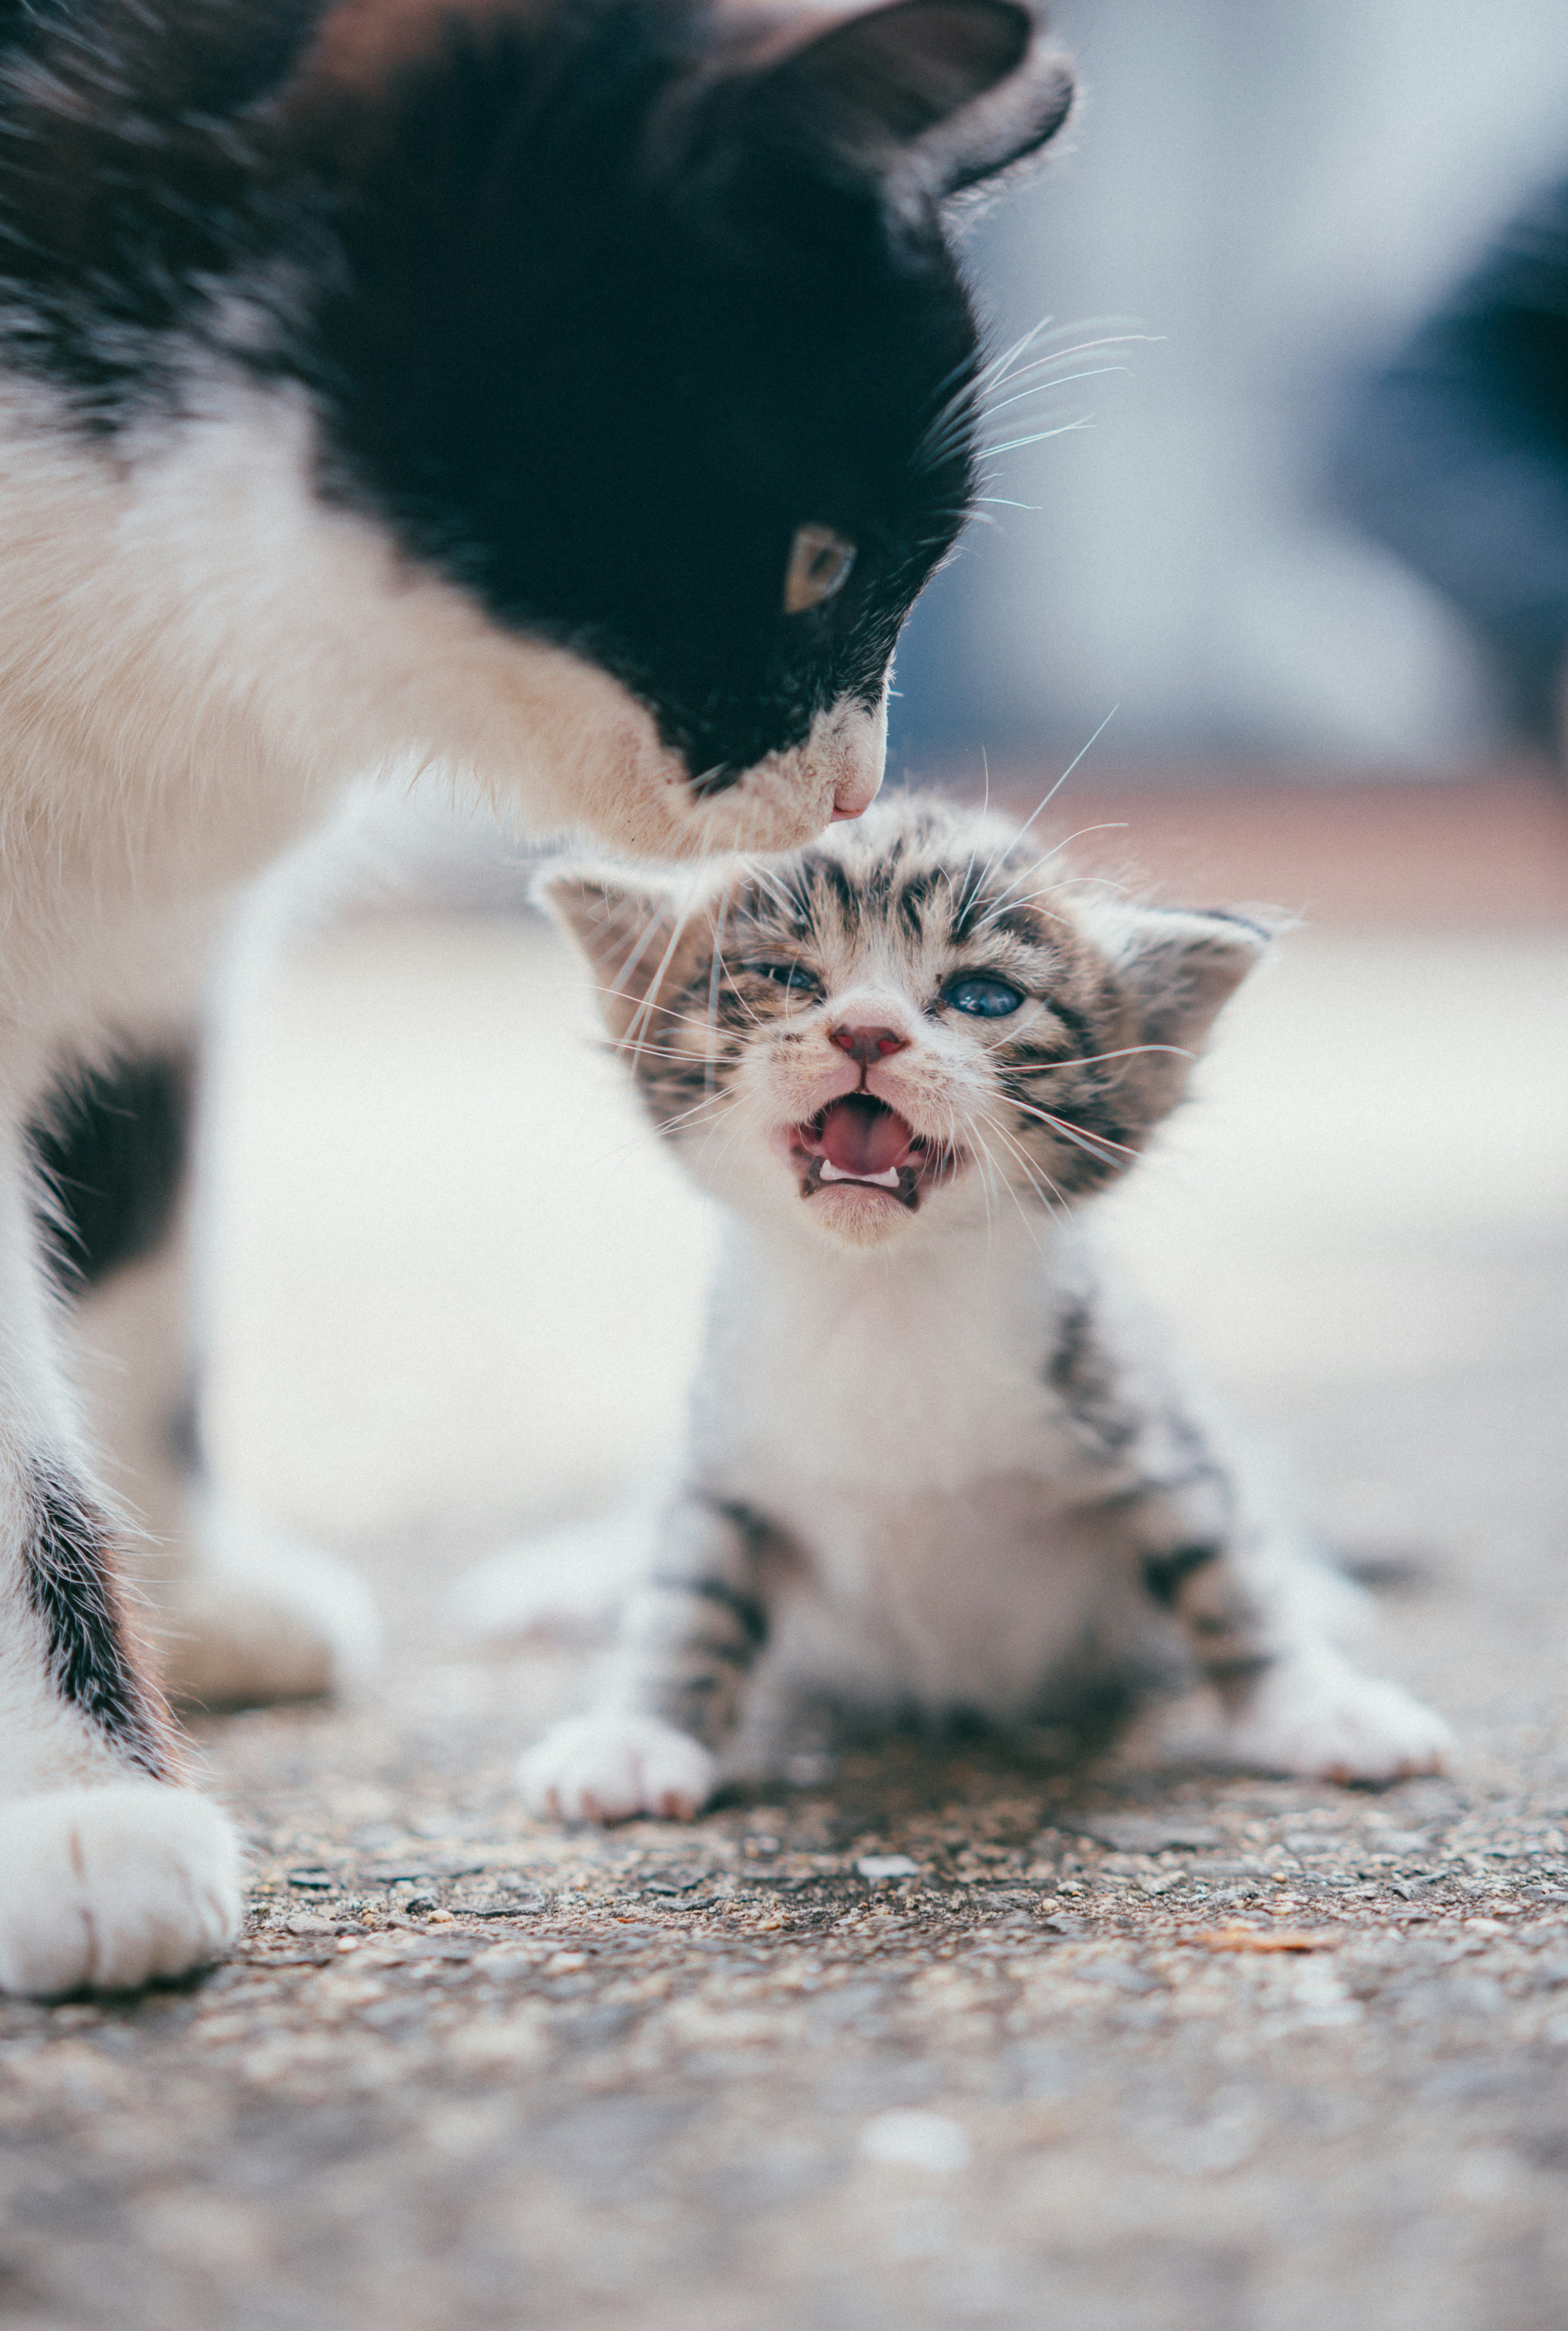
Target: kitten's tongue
column 860, row 1136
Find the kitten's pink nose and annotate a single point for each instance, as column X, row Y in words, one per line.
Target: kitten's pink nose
column 869, row 1043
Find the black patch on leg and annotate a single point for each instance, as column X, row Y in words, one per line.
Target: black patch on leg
column 1165, row 1574
column 183, row 1437
column 113, row 1144
column 71, row 1586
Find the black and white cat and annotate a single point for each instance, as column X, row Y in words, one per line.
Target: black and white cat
column 938, row 1466
column 570, row 394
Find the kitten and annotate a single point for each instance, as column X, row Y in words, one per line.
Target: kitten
column 571, row 394
column 937, row 1467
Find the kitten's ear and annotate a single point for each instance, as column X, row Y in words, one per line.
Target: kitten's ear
column 1179, row 965
column 633, row 934
column 928, row 95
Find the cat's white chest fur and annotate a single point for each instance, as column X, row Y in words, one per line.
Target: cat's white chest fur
column 893, row 1425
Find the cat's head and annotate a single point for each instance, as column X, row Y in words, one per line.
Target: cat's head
column 577, row 392
column 647, row 334
column 904, row 1023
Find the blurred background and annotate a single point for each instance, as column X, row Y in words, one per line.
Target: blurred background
column 1276, row 196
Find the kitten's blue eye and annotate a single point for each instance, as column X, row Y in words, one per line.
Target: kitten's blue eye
column 793, row 978
column 985, row 998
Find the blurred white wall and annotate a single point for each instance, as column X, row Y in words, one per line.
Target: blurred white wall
column 1278, row 190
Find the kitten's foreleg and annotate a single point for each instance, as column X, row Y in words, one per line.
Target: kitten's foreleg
column 673, row 1692
column 1244, row 1600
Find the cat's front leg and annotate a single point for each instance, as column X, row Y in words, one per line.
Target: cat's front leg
column 1252, row 1612
column 236, row 1614
column 112, row 1872
column 676, row 1683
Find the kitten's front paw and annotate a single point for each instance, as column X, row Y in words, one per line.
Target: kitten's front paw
column 1322, row 1718
column 609, row 1767
column 107, row 1888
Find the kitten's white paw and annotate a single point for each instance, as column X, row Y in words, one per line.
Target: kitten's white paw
column 566, row 1583
column 106, row 1889
column 609, row 1767
column 1322, row 1718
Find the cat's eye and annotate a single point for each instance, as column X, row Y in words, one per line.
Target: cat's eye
column 792, row 978
column 983, row 997
column 820, row 564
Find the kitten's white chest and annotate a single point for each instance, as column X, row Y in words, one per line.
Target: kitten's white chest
column 897, row 1382
column 899, row 1434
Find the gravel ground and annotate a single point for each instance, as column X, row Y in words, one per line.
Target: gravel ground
column 937, row 2040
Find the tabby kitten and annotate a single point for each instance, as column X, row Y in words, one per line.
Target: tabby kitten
column 937, row 1467
column 571, row 394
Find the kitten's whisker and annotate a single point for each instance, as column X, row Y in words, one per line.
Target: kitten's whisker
column 713, row 978
column 667, row 957
column 1031, row 1167
column 1050, row 795
column 1003, row 898
column 1090, row 1059
column 1007, row 1182
column 1096, row 1144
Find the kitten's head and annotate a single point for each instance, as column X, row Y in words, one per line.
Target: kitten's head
column 648, row 333
column 904, row 1022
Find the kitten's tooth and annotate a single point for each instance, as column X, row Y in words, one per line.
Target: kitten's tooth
column 888, row 1180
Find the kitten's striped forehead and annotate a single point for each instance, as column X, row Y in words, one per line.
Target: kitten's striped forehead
column 910, row 877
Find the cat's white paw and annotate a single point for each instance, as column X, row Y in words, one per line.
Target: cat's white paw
column 107, row 1889
column 609, row 1767
column 1322, row 1718
column 263, row 1618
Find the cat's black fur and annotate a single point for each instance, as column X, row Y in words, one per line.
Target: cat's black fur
column 600, row 303
column 113, row 1147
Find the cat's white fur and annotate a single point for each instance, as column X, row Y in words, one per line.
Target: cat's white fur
column 922, row 1523
column 197, row 655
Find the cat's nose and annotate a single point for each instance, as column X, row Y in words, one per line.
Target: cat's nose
column 869, row 1043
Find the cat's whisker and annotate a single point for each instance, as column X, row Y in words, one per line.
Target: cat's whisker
column 1036, row 437
column 1044, row 388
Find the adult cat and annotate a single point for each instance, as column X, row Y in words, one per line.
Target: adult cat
column 574, row 395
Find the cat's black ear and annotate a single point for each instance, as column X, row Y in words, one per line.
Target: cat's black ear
column 922, row 95
column 1179, row 965
column 635, row 935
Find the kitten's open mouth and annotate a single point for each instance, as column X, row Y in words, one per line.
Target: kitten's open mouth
column 861, row 1142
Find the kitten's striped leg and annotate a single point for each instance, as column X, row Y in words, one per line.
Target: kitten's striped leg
column 1293, row 1702
column 676, row 1683
column 113, row 1871
column 1242, row 1594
